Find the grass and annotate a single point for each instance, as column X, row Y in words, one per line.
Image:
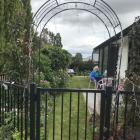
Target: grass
column 79, row 82
column 74, row 82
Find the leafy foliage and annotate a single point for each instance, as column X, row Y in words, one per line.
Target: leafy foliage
column 134, row 53
column 15, row 22
column 81, row 66
column 134, row 56
column 51, row 60
column 53, row 64
column 51, row 39
column 60, row 59
column 6, row 132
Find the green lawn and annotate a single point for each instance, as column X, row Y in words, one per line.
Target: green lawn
column 78, row 82
column 74, row 82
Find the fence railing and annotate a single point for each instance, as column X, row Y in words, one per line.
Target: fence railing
column 15, row 107
column 67, row 114
column 126, row 115
column 68, row 110
column 4, row 77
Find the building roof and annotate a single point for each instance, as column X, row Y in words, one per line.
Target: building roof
column 114, row 38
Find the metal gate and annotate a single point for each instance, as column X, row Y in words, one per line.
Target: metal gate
column 41, row 113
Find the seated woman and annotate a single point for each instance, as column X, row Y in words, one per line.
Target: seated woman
column 95, row 75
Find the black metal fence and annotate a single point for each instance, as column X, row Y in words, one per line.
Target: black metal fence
column 125, row 121
column 67, row 114
column 14, row 108
column 68, row 110
column 4, row 77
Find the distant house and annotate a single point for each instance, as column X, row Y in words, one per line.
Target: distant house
column 111, row 50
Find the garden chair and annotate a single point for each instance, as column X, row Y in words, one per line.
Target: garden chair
column 98, row 84
column 92, row 82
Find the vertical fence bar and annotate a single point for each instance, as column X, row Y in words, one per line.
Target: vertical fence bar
column 38, row 114
column 62, row 111
column 102, row 116
column 21, row 117
column 18, row 108
column 134, row 114
column 0, row 105
column 70, row 110
column 8, row 100
column 125, row 116
column 86, row 114
column 94, row 116
column 46, row 114
column 5, row 103
column 26, row 114
column 78, row 114
column 32, row 111
column 116, row 113
column 108, row 111
column 14, row 106
column 54, row 116
column 11, row 102
column 117, row 109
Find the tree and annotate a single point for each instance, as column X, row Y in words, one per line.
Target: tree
column 76, row 61
column 60, row 59
column 58, row 42
column 15, row 22
column 50, row 38
column 86, row 66
column 53, row 64
column 78, row 57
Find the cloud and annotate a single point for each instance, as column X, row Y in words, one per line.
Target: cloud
column 36, row 4
column 124, row 6
column 80, row 18
column 83, row 49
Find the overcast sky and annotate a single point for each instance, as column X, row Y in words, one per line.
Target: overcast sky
column 81, row 31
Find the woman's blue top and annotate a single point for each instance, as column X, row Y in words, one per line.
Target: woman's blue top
column 95, row 75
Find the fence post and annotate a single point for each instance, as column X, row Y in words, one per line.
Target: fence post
column 26, row 113
column 109, row 91
column 102, row 116
column 0, row 105
column 38, row 114
column 32, row 111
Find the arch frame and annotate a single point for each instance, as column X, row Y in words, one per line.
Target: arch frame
column 100, row 7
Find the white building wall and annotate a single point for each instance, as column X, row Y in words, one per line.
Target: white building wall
column 124, row 62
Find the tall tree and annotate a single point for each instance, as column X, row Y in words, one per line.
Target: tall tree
column 76, row 61
column 1, row 31
column 58, row 41
column 15, row 29
column 78, row 57
column 52, row 39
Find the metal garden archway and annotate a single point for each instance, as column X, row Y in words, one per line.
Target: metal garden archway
column 98, row 8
